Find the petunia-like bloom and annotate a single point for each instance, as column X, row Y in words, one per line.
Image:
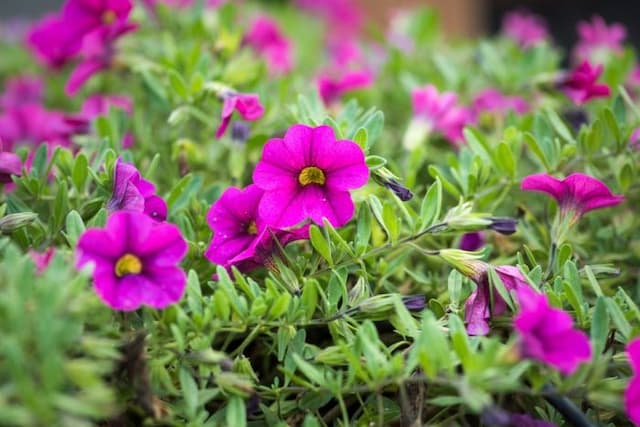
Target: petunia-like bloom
column 581, row 84
column 22, row 90
column 478, row 309
column 136, row 261
column 632, row 393
column 597, row 39
column 547, row 333
column 332, row 89
column 493, row 101
column 240, row 236
column 576, row 195
column 133, row 193
column 265, row 37
column 308, row 175
column 10, row 164
column 53, row 41
column 246, row 104
column 434, row 111
column 525, row 28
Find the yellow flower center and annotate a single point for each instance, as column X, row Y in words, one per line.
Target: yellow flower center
column 252, row 228
column 128, row 264
column 311, row 175
column 109, row 17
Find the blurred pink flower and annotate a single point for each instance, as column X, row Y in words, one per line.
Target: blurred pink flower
column 493, row 101
column 246, row 104
column 53, row 41
column 42, row 259
column 525, row 28
column 547, row 333
column 597, row 39
column 632, row 393
column 307, row 175
column 332, row 89
column 266, row 38
column 576, row 195
column 10, row 164
column 342, row 17
column 634, row 139
column 581, row 84
column 22, row 90
column 33, row 124
column 634, row 76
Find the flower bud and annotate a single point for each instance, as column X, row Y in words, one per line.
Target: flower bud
column 467, row 263
column 413, row 302
column 239, row 132
column 503, row 225
column 387, row 179
column 12, row 222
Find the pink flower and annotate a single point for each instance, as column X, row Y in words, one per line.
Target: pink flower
column 332, row 89
column 632, row 393
column 597, row 39
column 22, row 90
column 133, row 193
column 10, row 164
column 53, row 41
column 308, row 175
column 634, row 76
column 246, row 104
column 525, row 28
column 135, row 261
column 265, row 37
column 440, row 112
column 34, row 124
column 576, row 195
column 240, row 235
column 581, row 84
column 634, row 139
column 42, row 259
column 342, row 17
column 478, row 309
column 547, row 333
column 492, row 100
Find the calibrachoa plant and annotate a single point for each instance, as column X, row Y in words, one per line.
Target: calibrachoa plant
column 219, row 213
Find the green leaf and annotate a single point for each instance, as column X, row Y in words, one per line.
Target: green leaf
column 361, row 138
column 619, row 320
column 74, row 227
column 559, row 126
column 376, row 208
column 80, row 172
column 374, row 127
column 235, row 414
column 600, row 325
column 391, row 221
column 431, row 205
column 189, row 392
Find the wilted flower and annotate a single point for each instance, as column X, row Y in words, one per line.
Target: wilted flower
column 10, row 164
column 576, row 195
column 133, row 193
column 308, row 175
column 246, row 104
column 524, row 28
column 597, row 39
column 332, row 89
column 434, row 111
column 135, row 261
column 581, row 84
column 547, row 333
column 493, row 101
column 266, row 38
column 240, row 236
column 632, row 393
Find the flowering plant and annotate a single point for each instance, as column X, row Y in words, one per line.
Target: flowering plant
column 222, row 213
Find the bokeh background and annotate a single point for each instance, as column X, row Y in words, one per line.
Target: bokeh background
column 460, row 18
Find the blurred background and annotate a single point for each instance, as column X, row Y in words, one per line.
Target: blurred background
column 460, row 18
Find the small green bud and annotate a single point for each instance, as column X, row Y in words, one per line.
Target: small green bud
column 12, row 222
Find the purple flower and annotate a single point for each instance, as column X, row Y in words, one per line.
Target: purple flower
column 135, row 261
column 308, row 175
column 265, row 37
column 10, row 164
column 547, row 333
column 472, row 241
column 53, row 41
column 246, row 104
column 576, row 195
column 581, row 84
column 440, row 112
column 478, row 309
column 133, row 193
column 22, row 90
column 332, row 89
column 413, row 302
column 632, row 393
column 496, row 417
column 525, row 28
column 597, row 39
column 240, row 236
column 493, row 101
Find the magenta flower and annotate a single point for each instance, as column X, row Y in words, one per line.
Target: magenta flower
column 246, row 104
column 632, row 393
column 478, row 309
column 10, row 164
column 308, row 175
column 597, row 39
column 53, row 41
column 332, row 89
column 439, row 112
column 525, row 28
column 547, row 333
column 240, row 235
column 265, row 37
column 576, row 195
column 42, row 259
column 33, row 124
column 581, row 84
column 133, row 193
column 342, row 17
column 493, row 101
column 98, row 105
column 135, row 261
column 22, row 90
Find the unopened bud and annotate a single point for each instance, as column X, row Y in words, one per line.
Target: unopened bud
column 413, row 302
column 387, row 179
column 239, row 132
column 467, row 263
column 12, row 222
column 503, row 225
